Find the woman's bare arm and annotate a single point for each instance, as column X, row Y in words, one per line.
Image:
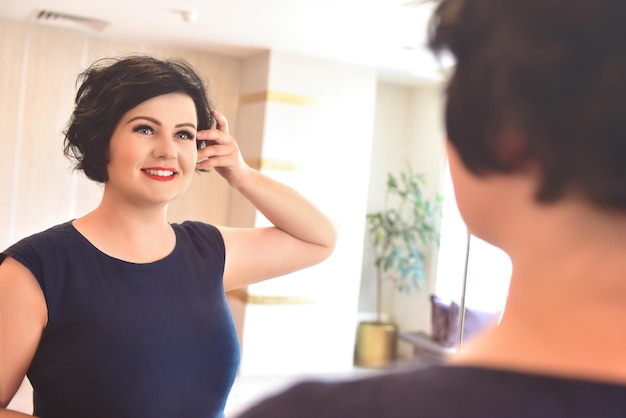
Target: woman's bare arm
column 301, row 235
column 23, row 316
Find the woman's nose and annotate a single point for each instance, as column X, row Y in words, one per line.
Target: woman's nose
column 165, row 149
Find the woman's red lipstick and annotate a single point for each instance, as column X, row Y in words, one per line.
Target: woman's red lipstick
column 159, row 173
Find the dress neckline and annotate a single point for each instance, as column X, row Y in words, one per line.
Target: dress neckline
column 150, row 263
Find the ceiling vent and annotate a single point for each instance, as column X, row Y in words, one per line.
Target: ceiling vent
column 68, row 21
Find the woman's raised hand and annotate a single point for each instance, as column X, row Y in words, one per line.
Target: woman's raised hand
column 221, row 152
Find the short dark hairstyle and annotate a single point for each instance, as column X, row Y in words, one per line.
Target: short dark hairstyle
column 541, row 82
column 109, row 88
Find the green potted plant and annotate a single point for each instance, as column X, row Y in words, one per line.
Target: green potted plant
column 400, row 235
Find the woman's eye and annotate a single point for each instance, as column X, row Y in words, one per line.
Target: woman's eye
column 185, row 135
column 143, row 129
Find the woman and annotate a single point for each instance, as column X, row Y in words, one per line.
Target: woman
column 536, row 123
column 120, row 313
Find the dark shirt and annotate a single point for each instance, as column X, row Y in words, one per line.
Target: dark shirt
column 447, row 392
column 131, row 340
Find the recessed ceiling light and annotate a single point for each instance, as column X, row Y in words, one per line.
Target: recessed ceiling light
column 186, row 15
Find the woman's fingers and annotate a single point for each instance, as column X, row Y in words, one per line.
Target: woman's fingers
column 221, row 150
column 221, row 123
column 217, row 135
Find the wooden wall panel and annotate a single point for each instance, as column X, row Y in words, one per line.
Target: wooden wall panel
column 44, row 176
column 12, row 38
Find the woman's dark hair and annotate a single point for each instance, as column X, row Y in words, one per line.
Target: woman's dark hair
column 539, row 82
column 111, row 87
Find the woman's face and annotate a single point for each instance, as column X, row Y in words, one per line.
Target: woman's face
column 153, row 150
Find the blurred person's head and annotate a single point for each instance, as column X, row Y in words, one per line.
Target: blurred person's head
column 539, row 85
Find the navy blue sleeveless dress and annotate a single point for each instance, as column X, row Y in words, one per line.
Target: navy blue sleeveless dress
column 131, row 340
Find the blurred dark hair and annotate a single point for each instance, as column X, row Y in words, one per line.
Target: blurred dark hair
column 108, row 89
column 540, row 82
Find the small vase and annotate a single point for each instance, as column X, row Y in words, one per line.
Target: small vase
column 376, row 344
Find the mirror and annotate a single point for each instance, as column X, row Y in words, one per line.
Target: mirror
column 39, row 66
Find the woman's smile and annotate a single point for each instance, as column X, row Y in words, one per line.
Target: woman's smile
column 159, row 173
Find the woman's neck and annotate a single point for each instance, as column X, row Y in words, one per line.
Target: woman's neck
column 133, row 234
column 565, row 306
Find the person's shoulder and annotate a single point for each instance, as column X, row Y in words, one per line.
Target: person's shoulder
column 197, row 229
column 199, row 234
column 42, row 251
column 388, row 394
column 47, row 236
column 443, row 392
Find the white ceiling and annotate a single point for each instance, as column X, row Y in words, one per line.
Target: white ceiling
column 388, row 35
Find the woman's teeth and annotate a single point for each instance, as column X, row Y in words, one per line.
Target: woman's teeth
column 160, row 173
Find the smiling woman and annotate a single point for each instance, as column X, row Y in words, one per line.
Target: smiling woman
column 106, row 95
column 120, row 312
column 155, row 140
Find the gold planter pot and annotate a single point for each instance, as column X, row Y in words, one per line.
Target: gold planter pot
column 376, row 344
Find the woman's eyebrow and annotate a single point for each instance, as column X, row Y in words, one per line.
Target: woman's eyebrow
column 156, row 122
column 148, row 118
